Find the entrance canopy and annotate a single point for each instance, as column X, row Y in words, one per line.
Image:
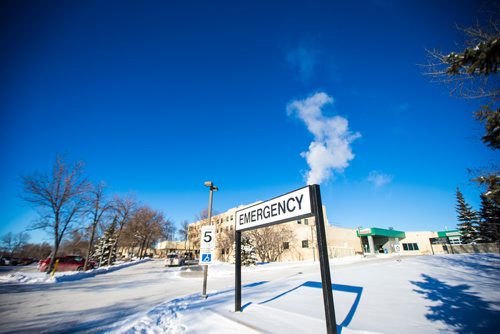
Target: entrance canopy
column 451, row 233
column 381, row 232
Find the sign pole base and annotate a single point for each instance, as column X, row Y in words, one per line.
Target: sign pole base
column 205, row 276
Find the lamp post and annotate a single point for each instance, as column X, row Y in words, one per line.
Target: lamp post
column 205, row 267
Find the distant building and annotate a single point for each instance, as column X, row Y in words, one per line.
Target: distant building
column 341, row 241
column 453, row 236
column 172, row 246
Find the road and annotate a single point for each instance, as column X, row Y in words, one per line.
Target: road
column 103, row 301
column 94, row 302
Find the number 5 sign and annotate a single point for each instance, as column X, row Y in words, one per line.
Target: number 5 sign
column 207, row 238
column 207, row 244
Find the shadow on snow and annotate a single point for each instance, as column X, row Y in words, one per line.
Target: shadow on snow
column 336, row 287
column 462, row 310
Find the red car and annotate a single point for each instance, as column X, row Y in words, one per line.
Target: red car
column 66, row 263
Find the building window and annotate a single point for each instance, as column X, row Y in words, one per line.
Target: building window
column 231, row 217
column 306, row 222
column 286, row 245
column 299, row 222
column 305, row 243
column 410, row 246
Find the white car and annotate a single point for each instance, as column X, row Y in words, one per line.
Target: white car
column 174, row 260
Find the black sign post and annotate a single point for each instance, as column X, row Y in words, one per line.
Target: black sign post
column 266, row 211
column 237, row 280
column 326, row 281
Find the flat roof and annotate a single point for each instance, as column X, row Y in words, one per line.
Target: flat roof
column 382, row 232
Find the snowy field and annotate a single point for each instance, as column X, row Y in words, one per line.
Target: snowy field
column 425, row 294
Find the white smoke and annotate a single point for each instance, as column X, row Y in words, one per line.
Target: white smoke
column 330, row 151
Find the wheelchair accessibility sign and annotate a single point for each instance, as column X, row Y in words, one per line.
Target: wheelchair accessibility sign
column 206, row 258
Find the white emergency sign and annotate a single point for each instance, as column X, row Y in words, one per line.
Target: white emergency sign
column 280, row 209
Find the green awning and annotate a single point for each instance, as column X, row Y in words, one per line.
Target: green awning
column 450, row 233
column 382, row 232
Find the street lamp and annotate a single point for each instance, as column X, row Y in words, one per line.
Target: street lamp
column 212, row 189
column 205, row 267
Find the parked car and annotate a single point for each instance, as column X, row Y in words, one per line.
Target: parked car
column 174, row 259
column 9, row 261
column 66, row 263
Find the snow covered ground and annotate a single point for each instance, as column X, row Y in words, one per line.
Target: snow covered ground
column 426, row 294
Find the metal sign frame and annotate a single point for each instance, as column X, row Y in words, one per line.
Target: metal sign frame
column 317, row 212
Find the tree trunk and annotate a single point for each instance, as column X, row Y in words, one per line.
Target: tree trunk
column 141, row 248
column 56, row 246
column 53, row 258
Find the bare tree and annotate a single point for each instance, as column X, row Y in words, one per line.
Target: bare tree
column 270, row 241
column 14, row 242
column 98, row 206
column 75, row 244
column 146, row 226
column 35, row 251
column 184, row 231
column 203, row 215
column 168, row 229
column 225, row 242
column 59, row 197
column 124, row 208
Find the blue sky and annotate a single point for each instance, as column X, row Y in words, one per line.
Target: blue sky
column 159, row 96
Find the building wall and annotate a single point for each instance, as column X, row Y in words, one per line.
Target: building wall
column 302, row 247
column 473, row 248
column 421, row 238
column 131, row 252
column 225, row 229
column 341, row 241
column 170, row 246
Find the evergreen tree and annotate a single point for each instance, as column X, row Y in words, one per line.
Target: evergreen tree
column 468, row 219
column 248, row 256
column 489, row 223
column 105, row 251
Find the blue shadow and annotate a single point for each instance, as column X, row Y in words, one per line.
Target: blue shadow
column 458, row 306
column 245, row 306
column 337, row 287
column 251, row 285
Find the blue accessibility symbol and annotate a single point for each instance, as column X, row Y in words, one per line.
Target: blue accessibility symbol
column 206, row 258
